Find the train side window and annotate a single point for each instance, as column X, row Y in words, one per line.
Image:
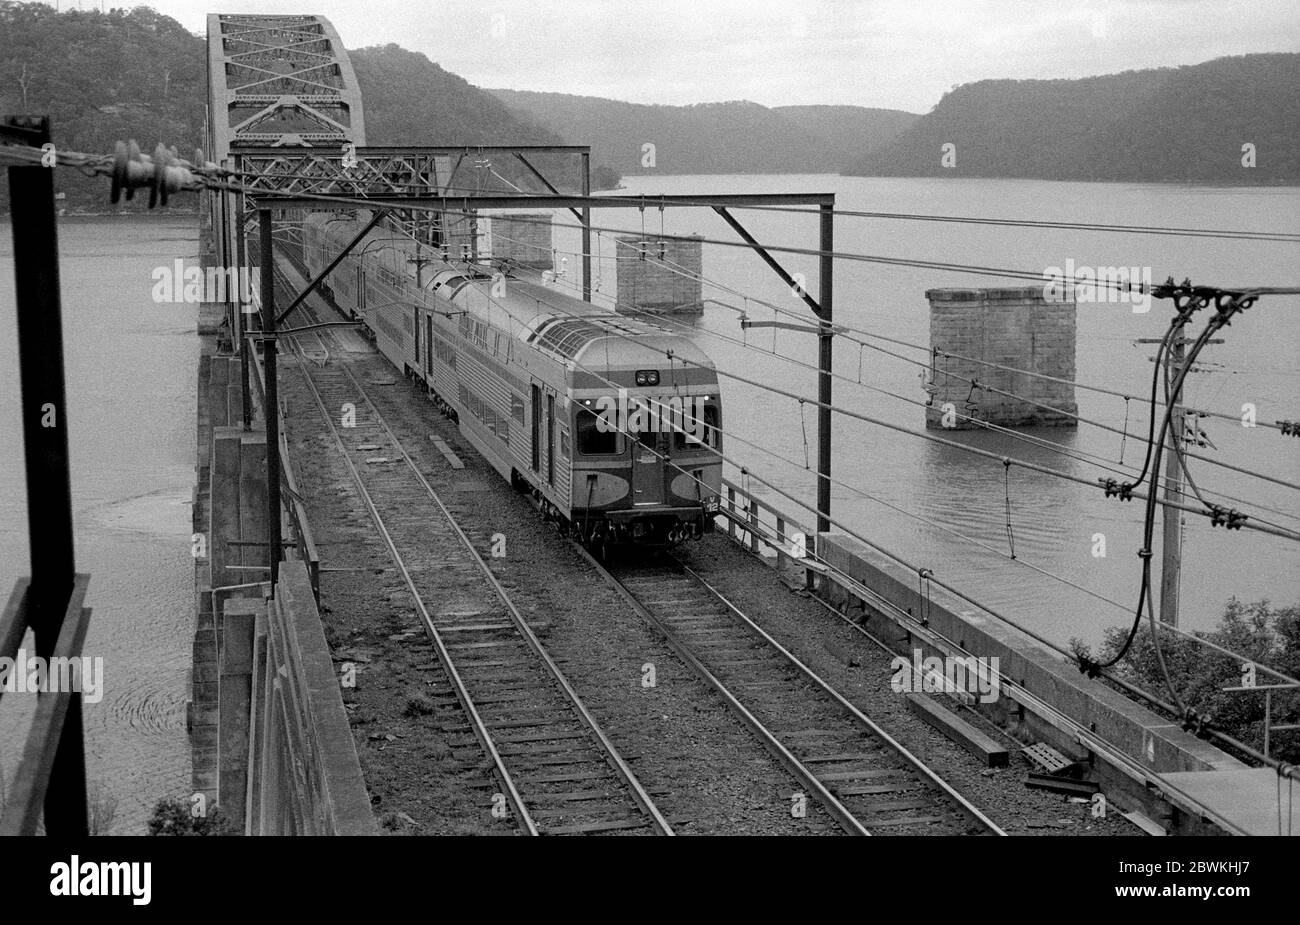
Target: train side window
column 592, row 441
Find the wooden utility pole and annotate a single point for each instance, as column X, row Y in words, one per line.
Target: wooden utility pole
column 1171, row 536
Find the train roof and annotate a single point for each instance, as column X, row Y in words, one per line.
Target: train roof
column 575, row 330
column 579, row 331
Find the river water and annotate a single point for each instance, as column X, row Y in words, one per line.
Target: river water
column 1054, row 522
column 131, row 384
column 130, row 368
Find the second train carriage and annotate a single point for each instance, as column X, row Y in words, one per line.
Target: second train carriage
column 613, row 424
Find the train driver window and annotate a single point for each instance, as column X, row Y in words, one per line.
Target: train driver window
column 592, row 441
column 682, row 440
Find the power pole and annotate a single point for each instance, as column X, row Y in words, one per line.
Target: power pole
column 1171, row 536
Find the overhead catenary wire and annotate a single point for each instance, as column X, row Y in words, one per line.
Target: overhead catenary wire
column 841, row 329
column 211, row 176
column 847, row 412
column 748, row 473
column 450, row 204
column 1042, row 442
column 214, row 184
column 1080, row 455
column 1207, row 729
column 642, row 201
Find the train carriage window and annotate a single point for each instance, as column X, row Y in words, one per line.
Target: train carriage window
column 591, row 440
column 443, row 350
column 565, row 452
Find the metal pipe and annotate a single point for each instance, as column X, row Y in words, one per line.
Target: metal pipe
column 272, row 409
column 238, row 340
column 825, row 360
column 586, row 228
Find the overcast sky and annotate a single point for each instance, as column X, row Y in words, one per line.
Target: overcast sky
column 900, row 54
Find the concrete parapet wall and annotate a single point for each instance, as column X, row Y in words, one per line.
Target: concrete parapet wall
column 304, row 777
column 1038, row 683
column 270, row 740
column 1013, row 327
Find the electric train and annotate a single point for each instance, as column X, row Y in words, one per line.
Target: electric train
column 611, row 424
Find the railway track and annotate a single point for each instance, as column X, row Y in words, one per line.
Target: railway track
column 866, row 780
column 559, row 772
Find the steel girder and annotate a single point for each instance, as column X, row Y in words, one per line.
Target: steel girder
column 279, row 81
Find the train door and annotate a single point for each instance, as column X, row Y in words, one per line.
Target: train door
column 415, row 326
column 550, row 438
column 537, row 428
column 428, row 345
column 648, row 452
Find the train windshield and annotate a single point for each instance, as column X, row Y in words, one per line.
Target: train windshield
column 698, row 432
column 592, row 441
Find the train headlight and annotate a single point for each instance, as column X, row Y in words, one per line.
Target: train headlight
column 647, row 377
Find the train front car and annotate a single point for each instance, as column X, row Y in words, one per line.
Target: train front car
column 646, row 415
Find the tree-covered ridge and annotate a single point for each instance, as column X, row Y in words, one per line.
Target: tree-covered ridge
column 410, row 100
column 1187, row 124
column 737, row 136
column 102, row 77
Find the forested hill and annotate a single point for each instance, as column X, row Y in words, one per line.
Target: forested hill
column 730, row 137
column 410, row 100
column 1186, row 124
column 102, row 77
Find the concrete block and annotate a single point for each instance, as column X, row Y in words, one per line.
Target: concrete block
column 993, row 754
column 234, row 697
column 224, row 494
column 253, row 503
